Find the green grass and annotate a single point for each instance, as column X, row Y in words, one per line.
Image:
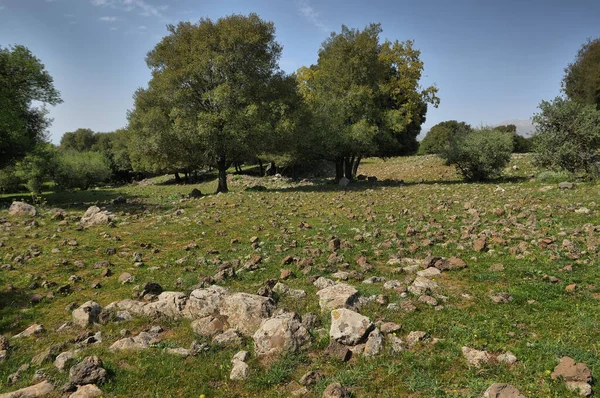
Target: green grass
column 432, row 202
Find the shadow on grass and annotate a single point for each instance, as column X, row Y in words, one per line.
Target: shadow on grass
column 11, row 304
column 76, row 200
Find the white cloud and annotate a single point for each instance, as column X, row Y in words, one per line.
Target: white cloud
column 141, row 6
column 107, row 19
column 142, row 28
column 312, row 15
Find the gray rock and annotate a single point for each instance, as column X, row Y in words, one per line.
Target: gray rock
column 239, row 371
column 280, row 334
column 502, row 390
column 228, row 338
column 335, row 390
column 95, row 216
column 88, row 371
column 208, row 326
column 475, row 357
column 87, row 391
column 349, row 327
column 42, row 389
column 22, row 209
column 86, row 314
column 34, row 329
column 374, row 344
column 566, row 185
column 245, row 312
column 63, row 358
column 340, row 295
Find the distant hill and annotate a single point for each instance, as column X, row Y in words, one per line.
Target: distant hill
column 524, row 127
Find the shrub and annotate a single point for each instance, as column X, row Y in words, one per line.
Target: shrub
column 441, row 136
column 10, row 182
column 80, row 170
column 567, row 137
column 36, row 167
column 553, row 176
column 481, row 154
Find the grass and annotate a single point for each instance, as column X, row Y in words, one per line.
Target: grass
column 433, row 202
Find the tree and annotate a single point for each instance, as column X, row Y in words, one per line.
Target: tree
column 24, row 82
column 37, row 166
column 481, row 154
column 581, row 82
column 365, row 97
column 80, row 140
column 209, row 91
column 441, row 136
column 80, row 169
column 567, row 136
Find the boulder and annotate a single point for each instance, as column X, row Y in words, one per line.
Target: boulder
column 335, row 390
column 169, row 304
column 86, row 314
column 239, row 371
column 374, row 344
column 475, row 357
column 229, row 338
column 94, row 216
column 87, row 391
column 22, row 209
column 566, row 185
column 245, row 312
column 569, row 370
column 349, row 327
column 61, row 359
column 340, row 295
column 280, row 334
column 34, row 329
column 502, row 390
column 88, row 371
column 204, row 302
column 42, row 389
column 208, row 326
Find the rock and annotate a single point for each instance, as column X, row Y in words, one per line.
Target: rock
column 195, row 193
column 422, row 285
column 228, row 338
column 508, row 358
column 310, row 378
column 344, row 182
column 414, row 337
column 396, row 343
column 42, row 389
column 87, row 391
column 337, row 296
column 429, row 272
column 88, row 371
column 374, row 344
column 322, row 283
column 22, row 209
column 569, row 370
column 119, row 200
column 502, row 390
column 349, row 327
column 63, row 358
column 501, row 298
column 336, row 390
column 86, row 314
column 183, row 352
column 169, row 304
column 580, row 387
column 34, row 329
column 475, row 357
column 390, row 327
column 280, row 334
column 566, row 185
column 4, row 344
column 428, row 300
column 205, row 302
column 126, row 277
column 479, row 245
column 239, row 371
column 208, row 326
column 94, row 216
column 246, row 311
column 338, row 351
column 151, row 288
column 241, row 356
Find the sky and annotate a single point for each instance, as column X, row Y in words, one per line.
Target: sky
column 492, row 61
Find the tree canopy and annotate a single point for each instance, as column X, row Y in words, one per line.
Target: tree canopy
column 24, row 82
column 581, row 82
column 208, row 99
column 441, row 136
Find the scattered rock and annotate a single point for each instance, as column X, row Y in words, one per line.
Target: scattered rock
column 239, row 371
column 338, row 351
column 475, row 357
column 566, row 185
column 22, row 209
column 507, row 358
column 311, row 377
column 501, row 298
column 374, row 344
column 63, row 358
column 87, row 314
column 569, row 370
column 502, row 390
column 34, row 329
column 94, row 216
column 42, row 389
column 336, row 390
column 88, row 371
column 280, row 334
column 337, row 296
column 228, row 338
column 349, row 327
column 87, row 391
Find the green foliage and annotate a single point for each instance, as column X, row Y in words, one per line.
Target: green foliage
column 441, row 136
column 80, row 169
column 481, row 154
column 553, row 176
column 80, row 140
column 208, row 100
column 36, row 167
column 581, row 82
column 9, row 180
column 567, row 137
column 23, row 82
column 365, row 96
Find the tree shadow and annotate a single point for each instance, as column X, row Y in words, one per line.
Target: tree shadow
column 11, row 304
column 75, row 200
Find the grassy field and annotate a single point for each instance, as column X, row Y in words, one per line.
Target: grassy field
column 432, row 213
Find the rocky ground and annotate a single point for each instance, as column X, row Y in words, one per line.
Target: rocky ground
column 408, row 284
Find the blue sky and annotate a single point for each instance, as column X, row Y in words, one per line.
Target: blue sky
column 491, row 60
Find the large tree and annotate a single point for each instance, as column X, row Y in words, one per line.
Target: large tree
column 210, row 91
column 582, row 77
column 80, row 140
column 365, row 97
column 24, row 83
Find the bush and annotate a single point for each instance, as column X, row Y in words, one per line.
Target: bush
column 567, row 137
column 481, row 154
column 81, row 170
column 10, row 182
column 440, row 137
column 553, row 176
column 36, row 167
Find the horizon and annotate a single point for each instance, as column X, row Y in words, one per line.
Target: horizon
column 493, row 63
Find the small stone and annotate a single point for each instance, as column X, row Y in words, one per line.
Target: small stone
column 571, row 288
column 310, row 378
column 88, row 371
column 241, row 356
column 501, row 298
column 239, row 371
column 580, row 387
column 475, row 357
column 87, row 391
column 338, row 351
column 34, row 329
column 228, row 338
column 502, row 390
column 126, row 277
column 508, row 358
column 336, row 390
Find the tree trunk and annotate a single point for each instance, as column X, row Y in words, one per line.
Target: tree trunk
column 261, row 168
column 355, row 166
column 222, row 167
column 339, row 169
column 348, row 167
column 177, row 178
